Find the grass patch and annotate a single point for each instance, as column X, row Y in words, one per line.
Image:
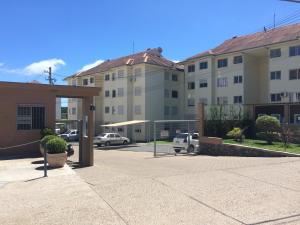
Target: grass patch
column 276, row 146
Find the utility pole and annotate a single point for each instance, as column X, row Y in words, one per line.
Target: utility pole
column 50, row 79
column 274, row 20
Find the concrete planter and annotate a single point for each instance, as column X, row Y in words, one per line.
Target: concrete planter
column 57, row 160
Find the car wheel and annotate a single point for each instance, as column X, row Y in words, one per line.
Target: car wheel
column 190, row 149
column 107, row 143
column 177, row 150
column 125, row 142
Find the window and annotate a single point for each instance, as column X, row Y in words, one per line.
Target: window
column 120, row 73
column 174, row 110
column 113, row 76
column 295, row 74
column 30, row 117
column 85, row 82
column 113, row 93
column 167, row 75
column 137, row 91
column 92, row 80
column 120, row 109
column 203, row 83
column 222, row 82
column 138, row 72
column 222, row 63
column 167, row 93
column 275, row 75
column 174, row 94
column 203, row 65
column 106, row 109
column 297, row 118
column 238, row 79
column 74, row 82
column 191, row 102
column 294, row 50
column 107, row 77
column 120, row 92
column 191, row 68
column 191, row 85
column 137, row 110
column 174, row 77
column 203, row 100
column 106, row 93
column 298, row 97
column 222, row 100
column 113, row 110
column 276, row 97
column 167, row 111
column 274, row 53
column 238, row 99
column 120, row 129
column 237, row 59
column 138, row 129
column 73, row 111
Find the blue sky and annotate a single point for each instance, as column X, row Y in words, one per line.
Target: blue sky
column 69, row 35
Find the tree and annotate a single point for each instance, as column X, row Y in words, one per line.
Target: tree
column 268, row 128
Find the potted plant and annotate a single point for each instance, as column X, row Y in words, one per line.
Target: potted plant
column 56, row 152
column 44, row 142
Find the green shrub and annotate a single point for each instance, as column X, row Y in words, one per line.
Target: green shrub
column 47, row 131
column 46, row 139
column 56, row 145
column 268, row 128
column 236, row 133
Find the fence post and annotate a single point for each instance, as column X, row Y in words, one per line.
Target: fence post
column 154, row 137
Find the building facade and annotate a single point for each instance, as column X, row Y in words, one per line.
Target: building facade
column 260, row 68
column 142, row 86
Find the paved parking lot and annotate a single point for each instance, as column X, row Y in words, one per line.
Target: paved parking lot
column 188, row 189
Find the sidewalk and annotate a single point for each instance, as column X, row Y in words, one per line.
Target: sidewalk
column 62, row 198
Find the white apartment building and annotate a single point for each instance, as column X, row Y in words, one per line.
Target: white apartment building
column 141, row 86
column 260, row 68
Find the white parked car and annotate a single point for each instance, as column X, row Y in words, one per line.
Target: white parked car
column 70, row 135
column 186, row 142
column 108, row 139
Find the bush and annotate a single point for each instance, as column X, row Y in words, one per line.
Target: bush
column 47, row 131
column 268, row 128
column 56, row 145
column 236, row 133
column 46, row 139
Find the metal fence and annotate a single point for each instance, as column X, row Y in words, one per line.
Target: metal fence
column 164, row 132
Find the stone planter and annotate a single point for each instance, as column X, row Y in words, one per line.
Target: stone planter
column 57, row 160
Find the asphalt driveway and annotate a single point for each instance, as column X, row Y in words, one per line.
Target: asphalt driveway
column 189, row 189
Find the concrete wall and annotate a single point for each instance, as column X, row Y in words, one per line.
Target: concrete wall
column 9, row 134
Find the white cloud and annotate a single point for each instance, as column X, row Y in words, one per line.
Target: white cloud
column 175, row 61
column 89, row 66
column 35, row 68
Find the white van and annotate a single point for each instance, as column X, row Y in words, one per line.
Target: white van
column 186, row 141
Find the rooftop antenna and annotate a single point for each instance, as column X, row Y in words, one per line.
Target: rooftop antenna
column 133, row 47
column 274, row 19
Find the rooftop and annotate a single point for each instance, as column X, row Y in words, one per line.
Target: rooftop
column 259, row 39
column 149, row 56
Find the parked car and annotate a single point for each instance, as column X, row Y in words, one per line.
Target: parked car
column 70, row 135
column 186, row 141
column 108, row 139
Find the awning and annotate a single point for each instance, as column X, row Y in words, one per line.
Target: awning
column 126, row 123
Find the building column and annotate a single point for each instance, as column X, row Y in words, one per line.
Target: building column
column 200, row 119
column 87, row 132
column 286, row 113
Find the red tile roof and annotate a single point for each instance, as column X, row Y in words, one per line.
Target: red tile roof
column 150, row 56
column 260, row 39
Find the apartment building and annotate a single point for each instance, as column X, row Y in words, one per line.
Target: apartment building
column 260, row 68
column 141, row 86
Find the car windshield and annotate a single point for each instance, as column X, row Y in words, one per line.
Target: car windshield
column 181, row 135
column 68, row 131
column 102, row 135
